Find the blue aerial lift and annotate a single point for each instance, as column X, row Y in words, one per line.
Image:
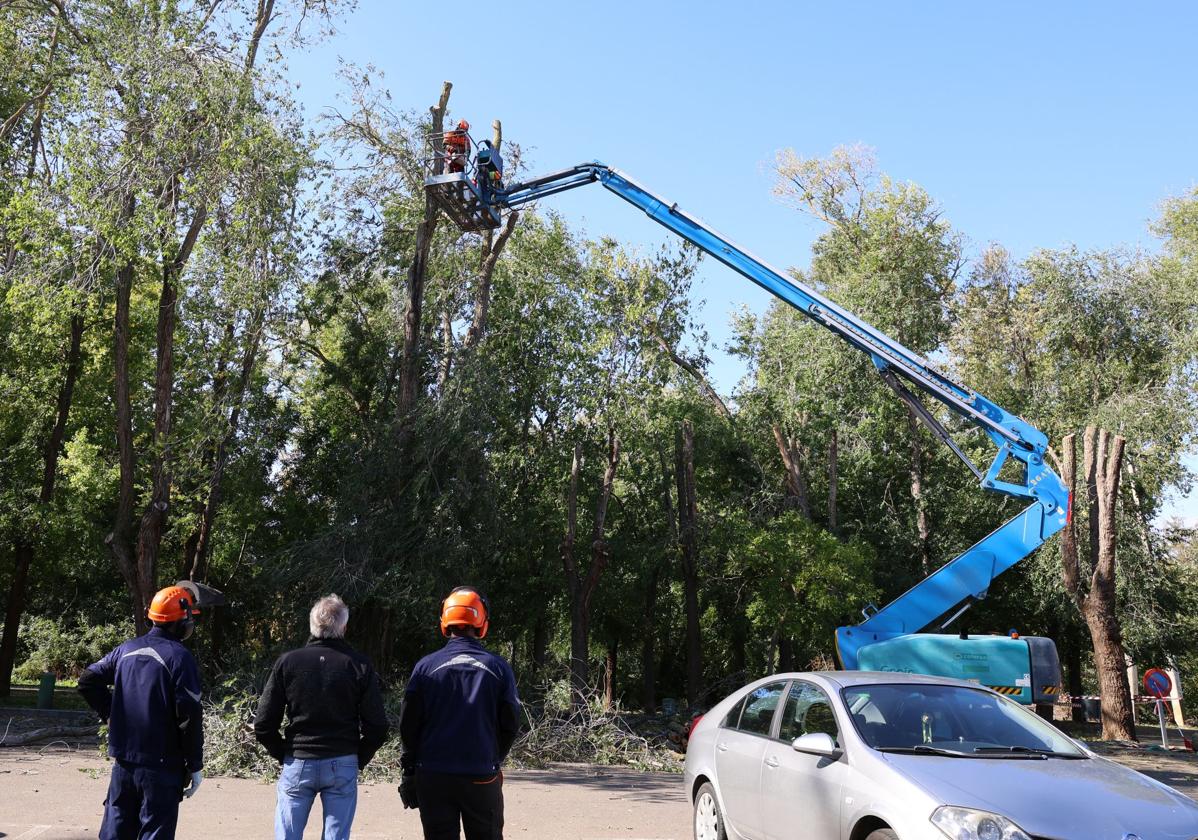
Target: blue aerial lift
column 891, row 638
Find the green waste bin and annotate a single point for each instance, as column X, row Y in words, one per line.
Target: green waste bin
column 45, row 691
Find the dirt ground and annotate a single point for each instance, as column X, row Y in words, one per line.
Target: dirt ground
column 58, row 795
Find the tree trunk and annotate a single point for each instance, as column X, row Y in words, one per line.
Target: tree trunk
column 540, row 646
column 609, row 674
column 649, row 615
column 775, row 639
column 1118, row 713
column 649, row 646
column 1093, row 586
column 581, row 589
column 579, row 648
column 738, row 659
column 23, row 546
column 797, row 496
column 409, row 370
column 786, row 654
column 689, row 544
column 120, row 538
column 22, row 561
column 578, row 636
column 923, row 529
column 153, row 518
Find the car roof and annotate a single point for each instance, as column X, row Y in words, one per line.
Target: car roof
column 846, row 679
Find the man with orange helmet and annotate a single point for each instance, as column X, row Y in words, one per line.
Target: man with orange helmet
column 461, row 714
column 154, row 716
column 457, row 144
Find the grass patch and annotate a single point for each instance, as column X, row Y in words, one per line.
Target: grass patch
column 24, row 696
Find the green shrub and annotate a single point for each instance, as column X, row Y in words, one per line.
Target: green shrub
column 64, row 649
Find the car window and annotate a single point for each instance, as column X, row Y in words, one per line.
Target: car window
column 807, row 710
column 760, row 706
column 948, row 717
column 731, row 719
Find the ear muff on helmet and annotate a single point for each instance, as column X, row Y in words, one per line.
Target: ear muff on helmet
column 174, row 607
column 465, row 607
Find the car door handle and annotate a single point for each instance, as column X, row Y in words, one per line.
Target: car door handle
column 722, row 746
column 772, row 761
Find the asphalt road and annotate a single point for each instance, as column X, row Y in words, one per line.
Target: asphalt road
column 59, row 796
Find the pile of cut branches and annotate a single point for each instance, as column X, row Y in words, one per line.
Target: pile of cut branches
column 585, row 732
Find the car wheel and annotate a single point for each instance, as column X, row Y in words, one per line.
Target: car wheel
column 709, row 821
column 882, row 834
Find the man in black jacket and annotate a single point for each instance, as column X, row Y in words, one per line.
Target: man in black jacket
column 336, row 723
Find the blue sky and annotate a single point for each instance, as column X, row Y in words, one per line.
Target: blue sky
column 1033, row 124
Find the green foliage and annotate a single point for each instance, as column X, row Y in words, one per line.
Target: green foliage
column 807, row 581
column 66, row 647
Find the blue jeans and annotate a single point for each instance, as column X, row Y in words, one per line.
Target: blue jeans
column 335, row 779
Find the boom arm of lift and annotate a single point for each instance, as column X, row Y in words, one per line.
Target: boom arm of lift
column 966, row 577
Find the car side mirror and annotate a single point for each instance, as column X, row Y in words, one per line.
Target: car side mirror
column 817, row 743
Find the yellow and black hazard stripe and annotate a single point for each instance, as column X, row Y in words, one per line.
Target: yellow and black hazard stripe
column 1006, row 689
column 1050, row 689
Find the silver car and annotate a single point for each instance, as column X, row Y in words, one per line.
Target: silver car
column 857, row 755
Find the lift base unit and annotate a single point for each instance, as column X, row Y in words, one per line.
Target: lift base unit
column 1025, row 669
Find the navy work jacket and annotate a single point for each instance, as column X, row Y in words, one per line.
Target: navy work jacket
column 461, row 711
column 153, row 709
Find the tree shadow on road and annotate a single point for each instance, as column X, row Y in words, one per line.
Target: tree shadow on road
column 622, row 783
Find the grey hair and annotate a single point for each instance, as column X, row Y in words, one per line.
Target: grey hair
column 328, row 618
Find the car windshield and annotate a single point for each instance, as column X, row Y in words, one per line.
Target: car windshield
column 940, row 719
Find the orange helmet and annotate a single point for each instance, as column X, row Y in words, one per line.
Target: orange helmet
column 463, row 125
column 174, row 603
column 464, row 607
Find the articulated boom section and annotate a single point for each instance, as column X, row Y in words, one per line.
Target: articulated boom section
column 961, row 580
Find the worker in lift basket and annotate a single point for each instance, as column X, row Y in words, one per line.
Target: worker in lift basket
column 457, row 143
column 155, row 731
column 460, row 717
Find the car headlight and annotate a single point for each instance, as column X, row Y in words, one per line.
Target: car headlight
column 970, row 824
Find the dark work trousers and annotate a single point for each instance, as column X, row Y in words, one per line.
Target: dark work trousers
column 447, row 802
column 142, row 803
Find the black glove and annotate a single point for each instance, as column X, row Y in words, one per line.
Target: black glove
column 407, row 790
